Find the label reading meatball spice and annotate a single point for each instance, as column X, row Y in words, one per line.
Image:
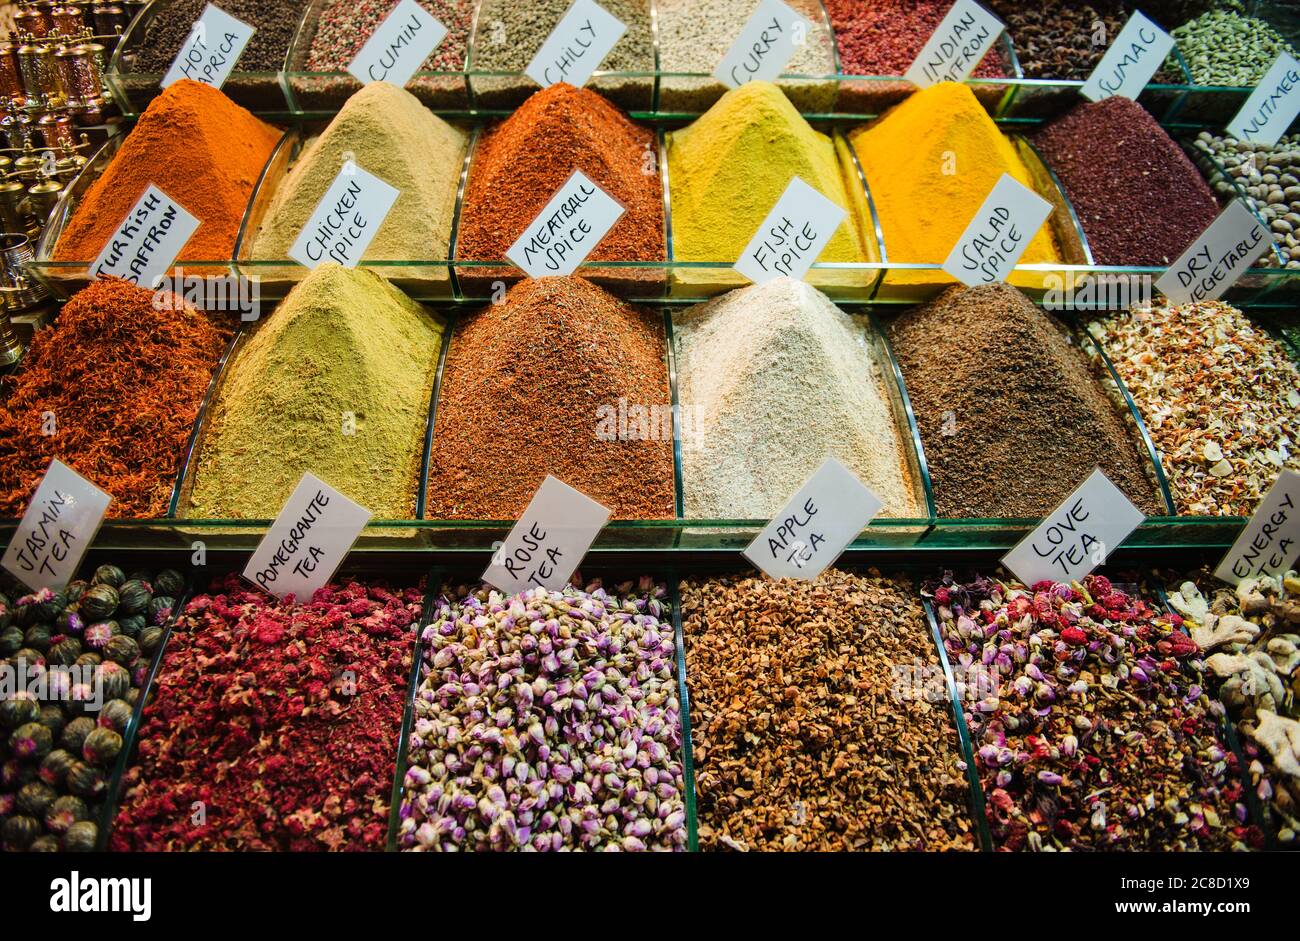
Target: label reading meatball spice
column 211, row 50
column 1270, row 543
column 768, row 41
column 399, row 45
column 1271, row 108
column 577, row 45
column 149, row 239
column 999, row 234
column 1218, row 257
column 956, row 47
column 548, row 543
column 1129, row 63
column 567, row 229
column 57, row 529
column 346, row 219
column 792, row 236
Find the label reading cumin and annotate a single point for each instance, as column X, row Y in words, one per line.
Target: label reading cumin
column 955, row 49
column 211, row 50
column 792, row 236
column 548, row 543
column 149, row 239
column 346, row 220
column 1270, row 543
column 999, row 234
column 767, row 42
column 1271, row 108
column 399, row 45
column 1217, row 258
column 57, row 529
column 577, row 45
column 1129, row 63
column 567, row 229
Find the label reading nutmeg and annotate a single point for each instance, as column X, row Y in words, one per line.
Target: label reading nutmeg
column 66, row 511
column 958, row 44
column 1270, row 543
column 1129, row 63
column 1274, row 104
column 211, row 50
column 549, row 542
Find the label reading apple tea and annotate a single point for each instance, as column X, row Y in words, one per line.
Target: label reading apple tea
column 211, row 50
column 1136, row 55
column 792, row 236
column 1270, row 543
column 549, row 542
column 148, row 241
column 577, row 45
column 766, row 44
column 997, row 237
column 60, row 523
column 346, row 219
column 567, row 229
column 399, row 45
column 962, row 39
column 1217, row 258
column 1271, row 108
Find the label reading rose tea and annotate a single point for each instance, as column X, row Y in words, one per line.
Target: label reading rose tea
column 399, row 45
column 1129, row 63
column 1270, row 543
column 577, row 45
column 346, row 219
column 767, row 42
column 567, row 229
column 149, row 239
column 548, row 543
column 998, row 235
column 792, row 236
column 1219, row 256
column 1271, row 108
column 966, row 33
column 211, row 50
column 60, row 523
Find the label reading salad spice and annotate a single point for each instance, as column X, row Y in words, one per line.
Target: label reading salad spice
column 577, row 45
column 548, row 543
column 149, row 239
column 564, row 233
column 346, row 219
column 60, row 523
column 211, row 50
column 1129, row 63
column 768, row 41
column 792, row 236
column 998, row 235
column 1271, row 108
column 399, row 45
column 966, row 33
column 1270, row 543
column 1219, row 256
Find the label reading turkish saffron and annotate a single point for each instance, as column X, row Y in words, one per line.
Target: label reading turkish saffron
column 818, row 523
column 308, row 540
column 967, row 32
column 209, row 53
column 577, row 45
column 60, row 523
column 1129, row 63
column 999, row 234
column 1219, row 256
column 549, row 542
column 1273, row 105
column 564, row 233
column 148, row 241
column 346, row 219
column 792, row 235
column 766, row 44
column 399, row 45
column 1270, row 543
column 1078, row 536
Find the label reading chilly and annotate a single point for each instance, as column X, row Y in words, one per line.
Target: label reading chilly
column 818, row 523
column 1219, row 256
column 60, row 523
column 998, row 235
column 308, row 540
column 792, row 236
column 548, row 543
column 967, row 32
column 564, row 233
column 399, row 46
column 577, row 45
column 1129, row 63
column 1078, row 536
column 1270, row 543
column 148, row 241
column 211, row 50
column 767, row 42
column 1271, row 108
column 346, row 219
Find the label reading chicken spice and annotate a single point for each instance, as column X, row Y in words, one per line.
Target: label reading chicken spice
column 1137, row 53
column 60, row 523
column 1271, row 108
column 792, row 236
column 346, row 219
column 549, row 542
column 1218, row 257
column 149, row 239
column 1270, row 543
column 211, row 50
column 956, row 47
column 399, row 45
column 577, row 45
column 768, row 41
column 995, row 239
column 567, row 229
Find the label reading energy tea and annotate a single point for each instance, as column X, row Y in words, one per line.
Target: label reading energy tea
column 1270, row 543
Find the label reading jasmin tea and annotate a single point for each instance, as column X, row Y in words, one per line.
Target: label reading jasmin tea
column 308, row 540
column 1271, row 108
column 577, row 45
column 564, row 233
column 766, row 44
column 148, row 241
column 1270, row 543
column 1078, row 536
column 792, row 236
column 966, row 33
column 1219, row 256
column 211, row 50
column 60, row 523
column 998, row 235
column 818, row 523
column 399, row 46
column 548, row 543
column 1129, row 63
column 346, row 219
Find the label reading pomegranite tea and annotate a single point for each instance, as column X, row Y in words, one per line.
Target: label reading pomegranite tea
column 60, row 523
column 1129, row 63
column 548, row 543
column 1078, row 536
column 211, row 50
column 308, row 540
column 966, row 33
column 577, row 45
column 1219, row 256
column 998, row 235
column 792, row 236
column 399, row 46
column 1271, row 108
column 767, row 42
column 564, row 233
column 346, row 219
column 1270, row 543
column 149, row 239
column 818, row 523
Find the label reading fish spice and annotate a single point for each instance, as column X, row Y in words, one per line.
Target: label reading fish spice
column 792, row 236
column 149, row 239
column 768, row 41
column 577, row 45
column 549, row 542
column 1270, row 543
column 818, row 523
column 211, row 50
column 346, row 219
column 995, row 239
column 60, row 523
column 1218, row 257
column 308, row 540
column 967, row 32
column 1077, row 536
column 1271, row 108
column 567, row 229
column 1129, row 63
column 399, row 45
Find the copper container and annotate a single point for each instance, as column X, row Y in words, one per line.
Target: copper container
column 41, row 200
column 54, row 130
column 32, row 21
column 11, row 214
column 11, row 82
column 40, row 75
column 79, row 75
column 68, row 20
column 109, row 18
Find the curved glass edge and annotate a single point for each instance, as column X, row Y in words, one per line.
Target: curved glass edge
column 200, row 420
column 426, row 461
column 1065, row 204
column 909, row 415
column 432, row 591
column 689, row 798
column 670, row 342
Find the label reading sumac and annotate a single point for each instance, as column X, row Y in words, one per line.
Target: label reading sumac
column 1136, row 55
column 548, row 543
column 577, row 45
column 399, row 45
column 997, row 237
column 792, row 236
column 60, row 523
column 961, row 41
column 1217, row 258
column 346, row 219
column 148, row 241
column 567, row 229
column 211, row 50
column 767, row 42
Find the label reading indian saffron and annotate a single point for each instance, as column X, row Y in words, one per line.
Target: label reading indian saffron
column 1270, row 543
column 1077, row 536
column 1219, row 256
column 792, row 235
column 567, row 229
column 966, row 33
column 60, row 523
column 577, row 45
column 308, row 540
column 818, row 523
column 1273, row 105
column 346, row 219
column 995, row 239
column 209, row 53
column 1129, row 63
column 399, row 45
column 148, row 241
column 549, row 542
column 766, row 44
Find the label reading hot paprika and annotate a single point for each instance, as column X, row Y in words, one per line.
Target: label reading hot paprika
column 957, row 46
column 60, row 523
column 148, row 241
column 1270, row 543
column 346, row 219
column 1217, row 258
column 767, row 42
column 399, row 45
column 577, row 45
column 792, row 235
column 211, row 50
column 997, row 237
column 567, row 229
column 1274, row 104
column 1138, row 51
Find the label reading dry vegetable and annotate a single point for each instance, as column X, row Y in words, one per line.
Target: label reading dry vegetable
column 567, row 229
column 1270, row 543
column 1271, row 108
column 792, row 236
column 399, row 45
column 767, row 42
column 211, row 50
column 577, row 45
column 999, row 234
column 149, row 239
column 1129, row 63
column 346, row 219
column 60, row 523
column 1219, row 256
column 965, row 35
column 549, row 542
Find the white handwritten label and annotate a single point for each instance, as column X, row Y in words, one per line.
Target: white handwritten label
column 307, row 542
column 1136, row 55
column 963, row 37
column 60, row 523
column 209, row 53
column 1272, row 106
column 818, row 523
column 995, row 239
column 567, row 229
column 399, row 45
column 766, row 44
column 346, row 220
column 1078, row 536
column 548, row 543
column 148, row 241
column 1270, row 543
column 577, row 45
column 1219, row 256
column 792, row 235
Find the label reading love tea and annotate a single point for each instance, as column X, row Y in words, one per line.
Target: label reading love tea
column 1219, row 256
column 577, row 45
column 567, row 229
column 149, row 239
column 1270, row 543
column 399, row 46
column 211, row 50
column 346, row 219
column 60, row 523
column 1271, row 108
column 766, row 44
column 792, row 236
column 1129, row 63
column 549, row 542
column 998, row 235
column 963, row 37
